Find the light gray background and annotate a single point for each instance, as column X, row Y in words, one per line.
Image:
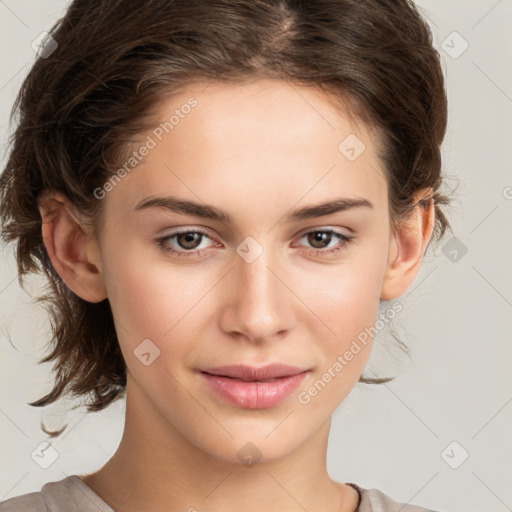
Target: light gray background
column 457, row 317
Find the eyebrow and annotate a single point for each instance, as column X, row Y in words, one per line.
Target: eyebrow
column 205, row 211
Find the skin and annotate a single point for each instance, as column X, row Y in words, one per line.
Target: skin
column 257, row 151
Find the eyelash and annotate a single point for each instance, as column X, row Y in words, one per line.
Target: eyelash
column 344, row 241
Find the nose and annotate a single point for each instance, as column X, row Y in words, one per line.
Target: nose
column 257, row 303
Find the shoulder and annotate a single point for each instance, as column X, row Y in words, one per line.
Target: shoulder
column 32, row 502
column 374, row 500
column 67, row 495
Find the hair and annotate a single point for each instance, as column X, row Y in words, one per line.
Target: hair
column 81, row 104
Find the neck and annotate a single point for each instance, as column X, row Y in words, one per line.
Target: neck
column 157, row 468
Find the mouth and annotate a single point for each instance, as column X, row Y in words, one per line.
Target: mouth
column 254, row 374
column 244, row 380
column 254, row 388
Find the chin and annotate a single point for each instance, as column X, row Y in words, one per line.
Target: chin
column 256, row 445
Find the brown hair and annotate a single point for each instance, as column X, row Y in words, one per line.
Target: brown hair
column 80, row 105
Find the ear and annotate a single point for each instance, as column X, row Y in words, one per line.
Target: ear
column 72, row 249
column 407, row 247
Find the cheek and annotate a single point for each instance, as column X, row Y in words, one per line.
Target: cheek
column 345, row 296
column 151, row 300
column 349, row 307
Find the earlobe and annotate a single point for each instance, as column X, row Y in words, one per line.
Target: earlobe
column 69, row 246
column 407, row 248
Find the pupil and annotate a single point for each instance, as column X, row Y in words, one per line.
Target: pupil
column 318, row 236
column 189, row 239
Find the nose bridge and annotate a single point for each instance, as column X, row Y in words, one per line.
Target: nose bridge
column 259, row 306
column 257, row 281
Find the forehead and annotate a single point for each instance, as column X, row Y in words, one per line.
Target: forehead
column 257, row 141
column 277, row 112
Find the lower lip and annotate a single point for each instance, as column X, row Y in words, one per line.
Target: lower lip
column 254, row 395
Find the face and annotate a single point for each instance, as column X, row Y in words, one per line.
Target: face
column 256, row 285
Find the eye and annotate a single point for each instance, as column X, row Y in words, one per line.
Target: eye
column 321, row 239
column 187, row 241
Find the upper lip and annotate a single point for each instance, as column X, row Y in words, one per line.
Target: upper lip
column 245, row 372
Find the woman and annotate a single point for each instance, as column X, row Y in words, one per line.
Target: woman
column 221, row 194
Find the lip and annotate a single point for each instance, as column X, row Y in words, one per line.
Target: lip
column 246, row 372
column 254, row 388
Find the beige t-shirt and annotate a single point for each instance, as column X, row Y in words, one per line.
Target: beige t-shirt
column 72, row 495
